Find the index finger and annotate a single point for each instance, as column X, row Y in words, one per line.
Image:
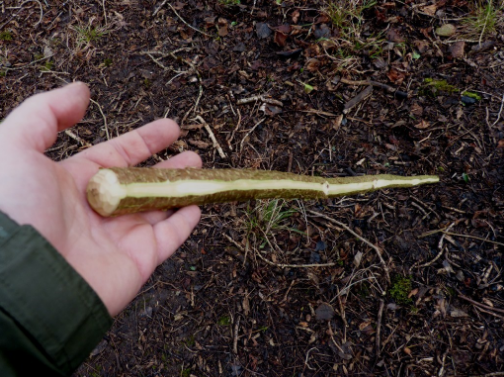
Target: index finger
column 133, row 147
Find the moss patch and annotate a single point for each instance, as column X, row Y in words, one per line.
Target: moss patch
column 401, row 288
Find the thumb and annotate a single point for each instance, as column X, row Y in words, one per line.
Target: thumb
column 36, row 122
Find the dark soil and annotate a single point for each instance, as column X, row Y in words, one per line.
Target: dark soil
column 234, row 301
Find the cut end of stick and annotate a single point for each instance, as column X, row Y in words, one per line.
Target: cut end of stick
column 104, row 192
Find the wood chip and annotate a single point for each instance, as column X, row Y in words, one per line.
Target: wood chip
column 358, row 99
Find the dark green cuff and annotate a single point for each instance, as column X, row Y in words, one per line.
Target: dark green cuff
column 47, row 299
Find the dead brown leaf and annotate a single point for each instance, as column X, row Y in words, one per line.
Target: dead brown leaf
column 396, row 76
column 421, row 45
column 422, row 125
column 295, row 16
column 430, row 9
column 416, row 109
column 312, row 51
column 393, row 35
column 313, row 65
column 178, row 5
column 413, row 293
column 363, row 325
column 281, row 34
column 222, row 27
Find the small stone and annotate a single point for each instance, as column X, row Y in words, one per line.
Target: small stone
column 322, row 31
column 457, row 313
column 263, row 31
column 314, row 257
column 468, row 100
column 447, row 30
column 457, row 50
column 324, row 312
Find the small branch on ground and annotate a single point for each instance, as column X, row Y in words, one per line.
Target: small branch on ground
column 212, row 136
column 378, row 327
column 181, row 19
column 374, row 247
column 366, row 93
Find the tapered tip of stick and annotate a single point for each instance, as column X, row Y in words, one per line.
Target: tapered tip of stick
column 104, row 192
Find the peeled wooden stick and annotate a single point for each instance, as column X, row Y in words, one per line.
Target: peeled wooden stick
column 118, row 191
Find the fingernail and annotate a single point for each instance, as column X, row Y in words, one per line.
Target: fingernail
column 75, row 83
column 77, row 88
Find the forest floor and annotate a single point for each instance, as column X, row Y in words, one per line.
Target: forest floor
column 401, row 282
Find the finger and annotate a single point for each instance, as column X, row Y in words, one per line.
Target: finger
column 133, row 147
column 184, row 160
column 35, row 124
column 172, row 232
column 153, row 217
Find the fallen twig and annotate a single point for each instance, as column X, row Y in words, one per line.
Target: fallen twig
column 308, row 356
column 181, row 19
column 104, row 118
column 399, row 94
column 430, row 233
column 358, row 99
column 229, row 141
column 483, row 306
column 262, row 98
column 212, row 136
column 348, row 229
column 77, row 138
column 235, row 338
column 21, row 8
column 429, row 263
column 500, row 111
column 250, row 131
column 279, row 265
column 378, row 327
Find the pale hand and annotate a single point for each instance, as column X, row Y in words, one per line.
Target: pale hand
column 115, row 256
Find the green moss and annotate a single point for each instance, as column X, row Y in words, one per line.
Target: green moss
column 472, row 95
column 224, row 321
column 107, row 62
column 364, row 290
column 451, row 292
column 440, row 85
column 229, row 3
column 48, row 66
column 185, row 372
column 401, row 288
column 190, row 341
column 433, row 88
column 147, row 83
column 6, row 36
column 3, row 73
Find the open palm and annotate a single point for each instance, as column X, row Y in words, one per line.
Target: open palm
column 114, row 255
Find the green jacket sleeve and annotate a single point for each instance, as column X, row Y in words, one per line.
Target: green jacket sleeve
column 50, row 318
